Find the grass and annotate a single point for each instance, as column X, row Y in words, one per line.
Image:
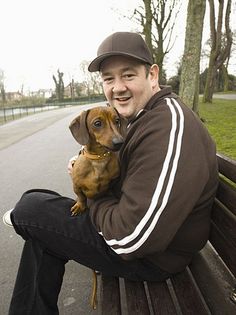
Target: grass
column 220, row 120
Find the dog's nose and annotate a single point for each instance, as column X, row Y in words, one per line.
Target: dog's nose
column 117, row 143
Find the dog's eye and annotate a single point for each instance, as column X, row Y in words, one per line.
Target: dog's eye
column 97, row 123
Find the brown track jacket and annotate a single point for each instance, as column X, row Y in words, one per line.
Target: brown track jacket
column 160, row 207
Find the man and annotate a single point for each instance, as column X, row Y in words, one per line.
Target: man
column 157, row 214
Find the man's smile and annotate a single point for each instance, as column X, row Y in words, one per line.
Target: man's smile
column 121, row 98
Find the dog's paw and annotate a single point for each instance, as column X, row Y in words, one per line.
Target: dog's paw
column 77, row 208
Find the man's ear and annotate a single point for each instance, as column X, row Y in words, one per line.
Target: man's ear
column 154, row 76
column 78, row 128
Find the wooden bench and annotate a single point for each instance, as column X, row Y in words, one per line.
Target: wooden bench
column 207, row 286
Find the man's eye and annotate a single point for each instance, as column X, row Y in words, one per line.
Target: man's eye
column 97, row 123
column 107, row 80
column 128, row 76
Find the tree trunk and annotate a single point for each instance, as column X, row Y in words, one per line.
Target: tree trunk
column 225, row 78
column 220, row 51
column 56, row 86
column 210, row 80
column 147, row 24
column 189, row 82
column 59, row 85
column 3, row 93
column 195, row 107
column 72, row 89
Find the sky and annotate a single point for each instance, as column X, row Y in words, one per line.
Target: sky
column 40, row 36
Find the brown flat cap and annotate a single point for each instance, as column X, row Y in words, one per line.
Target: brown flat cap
column 122, row 44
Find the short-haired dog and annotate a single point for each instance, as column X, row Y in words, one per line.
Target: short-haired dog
column 101, row 131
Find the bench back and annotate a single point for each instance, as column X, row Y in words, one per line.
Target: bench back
column 223, row 225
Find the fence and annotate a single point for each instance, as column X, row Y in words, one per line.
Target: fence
column 11, row 113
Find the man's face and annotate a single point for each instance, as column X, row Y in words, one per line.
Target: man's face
column 126, row 84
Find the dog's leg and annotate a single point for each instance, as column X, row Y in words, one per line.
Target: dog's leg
column 80, row 205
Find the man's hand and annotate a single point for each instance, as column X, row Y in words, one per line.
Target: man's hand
column 71, row 163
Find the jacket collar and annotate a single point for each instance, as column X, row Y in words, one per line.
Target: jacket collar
column 165, row 91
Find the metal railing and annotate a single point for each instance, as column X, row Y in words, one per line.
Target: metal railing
column 12, row 113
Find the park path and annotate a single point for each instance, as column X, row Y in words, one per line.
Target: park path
column 34, row 152
column 225, row 96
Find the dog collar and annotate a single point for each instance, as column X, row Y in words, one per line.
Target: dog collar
column 95, row 156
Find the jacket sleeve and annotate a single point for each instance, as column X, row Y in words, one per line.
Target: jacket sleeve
column 165, row 176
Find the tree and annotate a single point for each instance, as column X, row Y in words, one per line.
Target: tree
column 220, row 46
column 174, row 81
column 157, row 18
column 189, row 82
column 224, row 68
column 92, row 80
column 2, row 87
column 59, row 85
column 72, row 89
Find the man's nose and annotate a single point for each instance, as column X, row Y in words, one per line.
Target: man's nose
column 119, row 86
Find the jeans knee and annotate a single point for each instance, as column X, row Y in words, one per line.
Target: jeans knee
column 31, row 203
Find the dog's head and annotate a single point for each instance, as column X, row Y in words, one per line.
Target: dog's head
column 101, row 125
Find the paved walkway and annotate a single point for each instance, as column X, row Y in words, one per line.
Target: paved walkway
column 225, row 96
column 34, row 152
column 18, row 129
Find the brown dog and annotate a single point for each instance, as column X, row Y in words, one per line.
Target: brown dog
column 101, row 131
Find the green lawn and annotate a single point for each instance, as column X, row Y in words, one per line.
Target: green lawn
column 220, row 119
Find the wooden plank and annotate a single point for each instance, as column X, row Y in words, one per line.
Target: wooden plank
column 224, row 247
column 188, row 296
column 227, row 167
column 227, row 195
column 137, row 302
column 110, row 296
column 225, row 221
column 214, row 280
column 161, row 299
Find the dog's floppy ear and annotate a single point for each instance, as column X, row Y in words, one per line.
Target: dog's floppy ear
column 78, row 128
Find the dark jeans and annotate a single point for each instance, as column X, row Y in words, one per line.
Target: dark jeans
column 52, row 237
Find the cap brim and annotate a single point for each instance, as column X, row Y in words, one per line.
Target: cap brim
column 95, row 65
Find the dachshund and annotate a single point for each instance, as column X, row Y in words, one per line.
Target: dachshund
column 101, row 131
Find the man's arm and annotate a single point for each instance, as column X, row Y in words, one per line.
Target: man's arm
column 166, row 175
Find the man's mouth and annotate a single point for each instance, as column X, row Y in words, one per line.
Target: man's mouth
column 122, row 99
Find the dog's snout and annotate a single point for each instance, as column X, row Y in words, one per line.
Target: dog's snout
column 117, row 143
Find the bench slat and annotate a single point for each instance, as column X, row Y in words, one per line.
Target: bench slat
column 161, row 299
column 227, row 167
column 225, row 221
column 225, row 248
column 137, row 302
column 188, row 296
column 110, row 296
column 215, row 281
column 227, row 195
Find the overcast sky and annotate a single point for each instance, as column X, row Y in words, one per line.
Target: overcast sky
column 40, row 36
